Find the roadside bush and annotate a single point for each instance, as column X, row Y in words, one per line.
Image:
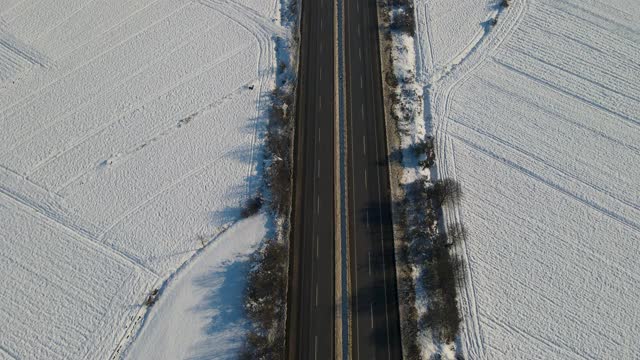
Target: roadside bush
column 455, row 234
column 278, row 151
column 279, row 180
column 152, row 298
column 260, row 347
column 277, row 145
column 255, row 347
column 292, row 9
column 426, row 163
column 265, row 302
column 391, row 79
column 442, row 275
column 403, row 21
column 422, row 246
column 251, row 207
column 429, row 250
column 445, row 190
column 401, row 3
column 425, row 147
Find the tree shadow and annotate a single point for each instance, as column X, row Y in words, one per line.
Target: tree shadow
column 376, row 339
column 228, row 324
column 376, row 213
column 226, row 215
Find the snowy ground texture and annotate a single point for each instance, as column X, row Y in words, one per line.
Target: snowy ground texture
column 538, row 117
column 200, row 314
column 128, row 138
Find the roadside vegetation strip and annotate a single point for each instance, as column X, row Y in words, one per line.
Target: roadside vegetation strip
column 265, row 296
column 428, row 271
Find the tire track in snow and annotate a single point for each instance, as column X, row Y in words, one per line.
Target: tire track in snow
column 66, row 19
column 140, row 104
column 9, row 353
column 423, row 21
column 475, row 345
column 553, row 186
column 629, row 120
column 73, row 230
column 121, row 157
column 473, row 54
column 25, row 138
column 550, row 343
column 15, row 55
column 573, row 74
column 70, row 15
column 25, row 98
column 580, row 323
column 537, row 159
column 105, row 32
column 34, row 92
column 33, row 95
column 160, row 192
column 557, row 114
column 263, row 31
column 12, row 6
column 471, row 294
column 602, row 210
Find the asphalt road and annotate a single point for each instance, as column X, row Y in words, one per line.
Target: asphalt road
column 310, row 325
column 375, row 327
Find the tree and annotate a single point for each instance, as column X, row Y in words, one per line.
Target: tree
column 251, row 208
column 445, row 190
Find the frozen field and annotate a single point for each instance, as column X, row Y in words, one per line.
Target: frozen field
column 128, row 137
column 539, row 119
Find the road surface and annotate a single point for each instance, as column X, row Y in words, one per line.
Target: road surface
column 375, row 326
column 310, row 332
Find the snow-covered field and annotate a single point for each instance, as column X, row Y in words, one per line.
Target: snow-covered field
column 538, row 117
column 128, row 138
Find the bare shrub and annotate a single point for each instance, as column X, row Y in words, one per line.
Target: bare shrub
column 403, row 21
column 391, row 79
column 251, row 207
column 445, row 190
column 278, row 167
column 429, row 250
column 258, row 346
column 277, row 145
column 265, row 302
column 442, row 275
column 455, row 234
column 279, row 180
column 401, row 3
column 152, row 298
column 425, row 148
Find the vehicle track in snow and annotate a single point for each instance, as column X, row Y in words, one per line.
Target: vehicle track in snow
column 455, row 74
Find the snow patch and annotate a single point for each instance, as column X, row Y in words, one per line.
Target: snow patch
column 199, row 313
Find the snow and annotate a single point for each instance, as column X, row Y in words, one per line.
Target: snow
column 199, row 314
column 129, row 133
column 411, row 105
column 445, row 29
column 537, row 118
